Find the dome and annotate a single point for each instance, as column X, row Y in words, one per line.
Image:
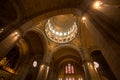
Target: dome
column 61, row 28
column 62, row 23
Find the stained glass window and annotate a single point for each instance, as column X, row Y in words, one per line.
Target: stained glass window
column 69, row 69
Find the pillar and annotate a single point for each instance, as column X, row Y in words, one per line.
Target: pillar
column 23, row 69
column 89, row 69
column 43, row 71
column 26, row 67
column 9, row 42
column 52, row 73
column 106, row 33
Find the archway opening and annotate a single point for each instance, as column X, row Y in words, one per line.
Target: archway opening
column 36, row 44
column 67, row 64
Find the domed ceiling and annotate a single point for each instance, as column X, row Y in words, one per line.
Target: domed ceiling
column 61, row 28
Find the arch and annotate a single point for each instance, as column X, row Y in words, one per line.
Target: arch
column 67, row 46
column 66, row 53
column 42, row 36
column 33, row 46
column 24, row 49
column 36, row 40
column 29, row 23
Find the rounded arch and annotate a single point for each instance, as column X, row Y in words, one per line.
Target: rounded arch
column 67, row 46
column 66, row 53
column 42, row 36
column 46, row 15
column 24, row 49
column 36, row 40
column 68, row 61
column 33, row 48
column 31, row 22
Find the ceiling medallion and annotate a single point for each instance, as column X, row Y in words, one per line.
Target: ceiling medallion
column 58, row 35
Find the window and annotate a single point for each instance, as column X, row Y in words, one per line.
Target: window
column 69, row 69
column 70, row 79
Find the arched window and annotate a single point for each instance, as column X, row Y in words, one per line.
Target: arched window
column 69, row 72
column 69, row 69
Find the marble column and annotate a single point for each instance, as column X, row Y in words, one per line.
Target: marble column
column 43, row 72
column 89, row 69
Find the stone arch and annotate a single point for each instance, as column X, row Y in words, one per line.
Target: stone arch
column 75, row 53
column 41, row 36
column 33, row 47
column 65, row 54
column 67, row 46
column 31, row 22
column 36, row 38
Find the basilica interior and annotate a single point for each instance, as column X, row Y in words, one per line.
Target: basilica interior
column 59, row 39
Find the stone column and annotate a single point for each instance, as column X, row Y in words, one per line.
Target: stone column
column 52, row 74
column 26, row 67
column 9, row 42
column 89, row 69
column 106, row 33
column 43, row 72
